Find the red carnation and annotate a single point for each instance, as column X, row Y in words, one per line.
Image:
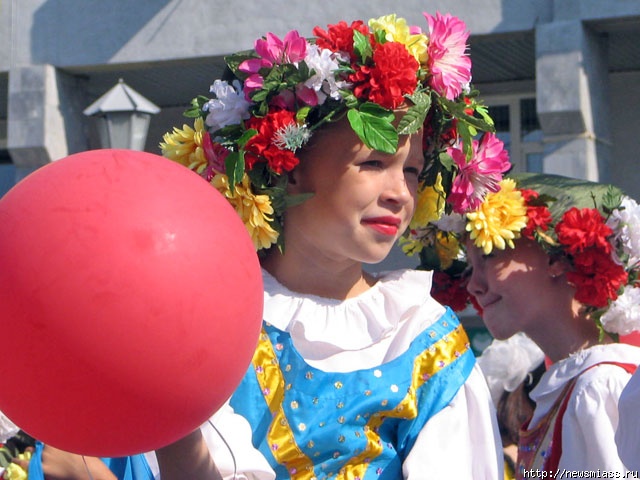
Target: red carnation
column 450, row 291
column 261, row 147
column 581, row 229
column 393, row 75
column 597, row 277
column 339, row 37
column 538, row 216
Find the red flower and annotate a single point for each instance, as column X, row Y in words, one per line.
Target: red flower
column 597, row 277
column 581, row 229
column 339, row 37
column 450, row 291
column 261, row 147
column 538, row 216
column 393, row 75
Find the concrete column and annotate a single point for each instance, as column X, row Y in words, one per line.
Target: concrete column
column 45, row 120
column 572, row 84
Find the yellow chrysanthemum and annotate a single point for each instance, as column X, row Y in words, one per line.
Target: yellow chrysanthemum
column 447, row 248
column 499, row 219
column 397, row 30
column 430, row 205
column 185, row 146
column 15, row 471
column 254, row 210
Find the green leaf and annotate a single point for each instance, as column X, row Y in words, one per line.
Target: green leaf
column 374, row 128
column 611, row 199
column 361, row 46
column 234, row 166
column 568, row 192
column 413, row 120
column 195, row 110
column 457, row 109
column 234, row 60
column 447, row 161
column 246, row 136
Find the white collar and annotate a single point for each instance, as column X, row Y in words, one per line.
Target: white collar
column 357, row 322
column 559, row 373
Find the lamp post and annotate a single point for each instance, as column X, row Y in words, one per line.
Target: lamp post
column 123, row 117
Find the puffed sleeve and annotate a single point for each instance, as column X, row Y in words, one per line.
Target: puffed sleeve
column 462, row 440
column 628, row 432
column 234, row 435
column 591, row 419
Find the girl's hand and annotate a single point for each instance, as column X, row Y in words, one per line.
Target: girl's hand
column 187, row 458
column 60, row 465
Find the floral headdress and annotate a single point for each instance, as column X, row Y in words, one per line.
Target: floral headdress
column 245, row 138
column 594, row 225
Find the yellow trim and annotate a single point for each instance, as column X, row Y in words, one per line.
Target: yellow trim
column 431, row 361
column 289, row 454
column 271, row 383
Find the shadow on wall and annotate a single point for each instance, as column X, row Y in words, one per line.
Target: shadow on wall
column 81, row 32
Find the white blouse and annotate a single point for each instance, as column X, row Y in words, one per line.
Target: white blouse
column 628, row 433
column 591, row 418
column 461, row 441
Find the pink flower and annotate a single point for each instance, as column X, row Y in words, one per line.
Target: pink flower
column 449, row 64
column 290, row 50
column 215, row 154
column 480, row 175
column 272, row 51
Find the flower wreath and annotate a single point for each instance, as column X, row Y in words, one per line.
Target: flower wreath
column 244, row 140
column 594, row 225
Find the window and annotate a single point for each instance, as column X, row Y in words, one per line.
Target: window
column 517, row 125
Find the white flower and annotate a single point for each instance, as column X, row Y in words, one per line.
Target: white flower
column 506, row 363
column 228, row 108
column 324, row 63
column 626, row 223
column 291, row 137
column 453, row 222
column 623, row 316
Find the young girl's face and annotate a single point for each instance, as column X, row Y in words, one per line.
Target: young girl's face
column 362, row 200
column 512, row 286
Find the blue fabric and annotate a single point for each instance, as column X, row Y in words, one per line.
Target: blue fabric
column 134, row 467
column 328, row 412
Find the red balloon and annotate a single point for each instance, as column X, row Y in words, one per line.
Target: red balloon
column 130, row 302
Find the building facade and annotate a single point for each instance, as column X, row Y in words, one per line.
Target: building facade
column 562, row 76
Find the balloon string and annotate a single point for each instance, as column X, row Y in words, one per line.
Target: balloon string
column 87, row 467
column 233, row 457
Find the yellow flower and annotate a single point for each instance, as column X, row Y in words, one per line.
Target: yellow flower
column 500, row 218
column 397, row 30
column 254, row 210
column 430, row 204
column 447, row 248
column 185, row 146
column 15, row 471
column 410, row 246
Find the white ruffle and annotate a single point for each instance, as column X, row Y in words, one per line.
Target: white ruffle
column 377, row 325
column 7, row 428
column 559, row 373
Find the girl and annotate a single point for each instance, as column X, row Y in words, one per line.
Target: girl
column 557, row 259
column 330, row 150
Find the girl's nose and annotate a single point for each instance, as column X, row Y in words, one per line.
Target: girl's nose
column 397, row 189
column 475, row 283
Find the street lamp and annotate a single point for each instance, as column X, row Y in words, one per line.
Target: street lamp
column 123, row 117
